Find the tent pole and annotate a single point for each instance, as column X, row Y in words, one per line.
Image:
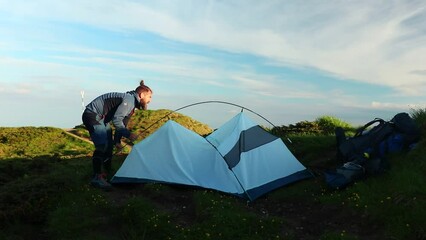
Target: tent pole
column 194, row 104
column 230, row 169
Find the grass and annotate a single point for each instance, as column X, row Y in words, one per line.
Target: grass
column 81, row 213
column 45, row 194
column 36, row 141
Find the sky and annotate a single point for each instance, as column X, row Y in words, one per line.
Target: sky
column 287, row 61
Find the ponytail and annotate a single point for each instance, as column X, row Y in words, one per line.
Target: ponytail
column 143, row 88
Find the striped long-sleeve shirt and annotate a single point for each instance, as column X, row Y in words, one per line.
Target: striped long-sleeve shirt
column 116, row 108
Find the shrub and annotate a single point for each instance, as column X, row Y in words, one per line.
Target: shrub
column 322, row 125
column 329, row 123
column 419, row 116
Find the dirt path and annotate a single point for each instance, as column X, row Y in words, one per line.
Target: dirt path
column 127, row 147
column 69, row 131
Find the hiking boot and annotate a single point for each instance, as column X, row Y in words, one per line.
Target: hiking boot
column 108, row 174
column 100, row 182
column 105, row 175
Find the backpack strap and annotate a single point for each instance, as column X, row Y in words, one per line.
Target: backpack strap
column 361, row 130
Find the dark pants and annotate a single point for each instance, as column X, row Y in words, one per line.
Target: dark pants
column 101, row 136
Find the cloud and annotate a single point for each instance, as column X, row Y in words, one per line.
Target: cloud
column 19, row 89
column 375, row 43
column 419, row 72
column 396, row 106
column 363, row 45
column 369, row 44
column 268, row 85
column 29, row 71
column 372, row 42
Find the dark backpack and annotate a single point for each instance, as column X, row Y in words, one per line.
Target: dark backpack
column 383, row 137
column 364, row 153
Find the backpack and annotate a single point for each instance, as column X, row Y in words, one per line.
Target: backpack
column 365, row 152
column 384, row 137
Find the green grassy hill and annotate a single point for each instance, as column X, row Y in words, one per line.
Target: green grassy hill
column 35, row 141
column 45, row 194
column 146, row 122
column 156, row 118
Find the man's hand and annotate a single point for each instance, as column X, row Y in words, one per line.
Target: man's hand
column 118, row 146
column 133, row 137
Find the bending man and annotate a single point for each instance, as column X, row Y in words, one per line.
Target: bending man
column 116, row 108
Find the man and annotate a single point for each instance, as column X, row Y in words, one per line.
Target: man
column 115, row 108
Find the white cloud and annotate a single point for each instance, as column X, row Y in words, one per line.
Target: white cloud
column 368, row 41
column 396, row 106
column 268, row 85
column 419, row 72
column 361, row 40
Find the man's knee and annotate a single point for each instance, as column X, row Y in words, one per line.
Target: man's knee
column 101, row 150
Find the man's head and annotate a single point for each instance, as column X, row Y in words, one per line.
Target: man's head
column 145, row 94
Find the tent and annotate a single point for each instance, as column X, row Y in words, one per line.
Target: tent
column 239, row 158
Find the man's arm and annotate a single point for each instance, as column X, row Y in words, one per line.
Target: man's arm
column 121, row 117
